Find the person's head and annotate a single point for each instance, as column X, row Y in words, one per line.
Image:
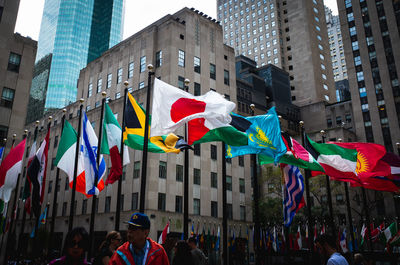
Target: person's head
column 182, row 248
column 76, row 243
column 113, row 239
column 138, row 229
column 192, row 243
column 359, row 259
column 326, row 244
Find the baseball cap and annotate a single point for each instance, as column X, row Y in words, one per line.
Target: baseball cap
column 139, row 220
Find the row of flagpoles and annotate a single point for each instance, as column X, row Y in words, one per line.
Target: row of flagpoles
column 208, row 118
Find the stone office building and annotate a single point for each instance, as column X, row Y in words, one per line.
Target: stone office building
column 183, row 45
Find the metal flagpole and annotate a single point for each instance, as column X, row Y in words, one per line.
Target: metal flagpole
column 145, row 140
column 224, row 210
column 186, row 180
column 119, row 190
column 71, row 211
column 96, row 178
column 328, row 190
column 307, row 184
column 364, row 195
column 54, row 210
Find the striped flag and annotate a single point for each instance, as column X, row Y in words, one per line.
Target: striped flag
column 293, row 196
column 163, row 236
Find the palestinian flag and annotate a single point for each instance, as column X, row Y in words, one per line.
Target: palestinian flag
column 135, row 117
column 296, row 155
column 111, row 145
column 346, row 161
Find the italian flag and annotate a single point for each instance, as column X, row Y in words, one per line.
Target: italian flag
column 111, row 145
column 391, row 234
column 66, row 156
column 363, row 234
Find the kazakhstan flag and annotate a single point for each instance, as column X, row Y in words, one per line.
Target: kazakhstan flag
column 264, row 136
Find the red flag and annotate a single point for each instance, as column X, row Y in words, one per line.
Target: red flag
column 163, row 236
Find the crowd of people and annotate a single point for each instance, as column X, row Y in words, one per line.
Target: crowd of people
column 139, row 249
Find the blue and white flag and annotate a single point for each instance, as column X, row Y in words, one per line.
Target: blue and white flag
column 343, row 242
column 293, row 194
column 88, row 156
column 264, row 136
column 1, row 154
column 218, row 239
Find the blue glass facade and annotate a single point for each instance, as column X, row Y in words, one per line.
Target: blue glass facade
column 75, row 32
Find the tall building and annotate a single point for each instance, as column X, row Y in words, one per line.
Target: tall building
column 337, row 56
column 370, row 32
column 291, row 35
column 177, row 51
column 72, row 33
column 17, row 57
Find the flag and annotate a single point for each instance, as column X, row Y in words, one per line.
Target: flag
column 315, row 236
column 1, row 154
column 376, row 232
column 293, row 195
column 350, row 162
column 323, row 229
column 298, row 242
column 173, row 107
column 343, row 242
column 88, row 154
column 42, row 221
column 363, row 234
column 111, row 145
column 296, row 155
column 133, row 136
column 37, row 173
column 10, row 168
column 391, row 233
column 218, row 239
column 163, row 236
column 274, row 240
column 264, row 137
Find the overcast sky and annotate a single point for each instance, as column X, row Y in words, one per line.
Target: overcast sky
column 138, row 14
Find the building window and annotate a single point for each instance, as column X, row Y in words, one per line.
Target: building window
column 196, row 150
column 214, row 180
column 196, row 176
column 161, row 201
column 158, row 58
column 90, row 90
column 141, row 85
column 338, row 120
column 179, row 173
column 181, row 82
column 99, row 85
column 84, row 206
column 142, row 64
column 162, row 170
column 212, row 71
column 229, row 210
column 197, row 64
column 196, row 206
column 49, row 189
column 197, row 89
column 181, row 58
column 214, row 209
column 241, row 161
column 178, row 204
column 229, row 183
column 7, row 97
column 213, row 152
column 131, row 66
column 241, row 186
column 119, row 76
column 226, row 77
column 107, row 204
column 117, row 95
column 64, row 209
column 242, row 213
column 134, row 201
column 14, row 62
column 136, row 169
column 329, row 123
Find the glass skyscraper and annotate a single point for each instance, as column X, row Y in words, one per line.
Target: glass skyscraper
column 74, row 32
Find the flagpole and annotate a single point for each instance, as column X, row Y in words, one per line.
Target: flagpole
column 186, row 179
column 307, row 183
column 24, row 212
column 13, row 209
column 224, row 210
column 256, row 197
column 328, row 190
column 71, row 212
column 145, row 140
column 96, row 177
column 346, row 190
column 364, row 195
column 54, row 210
column 119, row 191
